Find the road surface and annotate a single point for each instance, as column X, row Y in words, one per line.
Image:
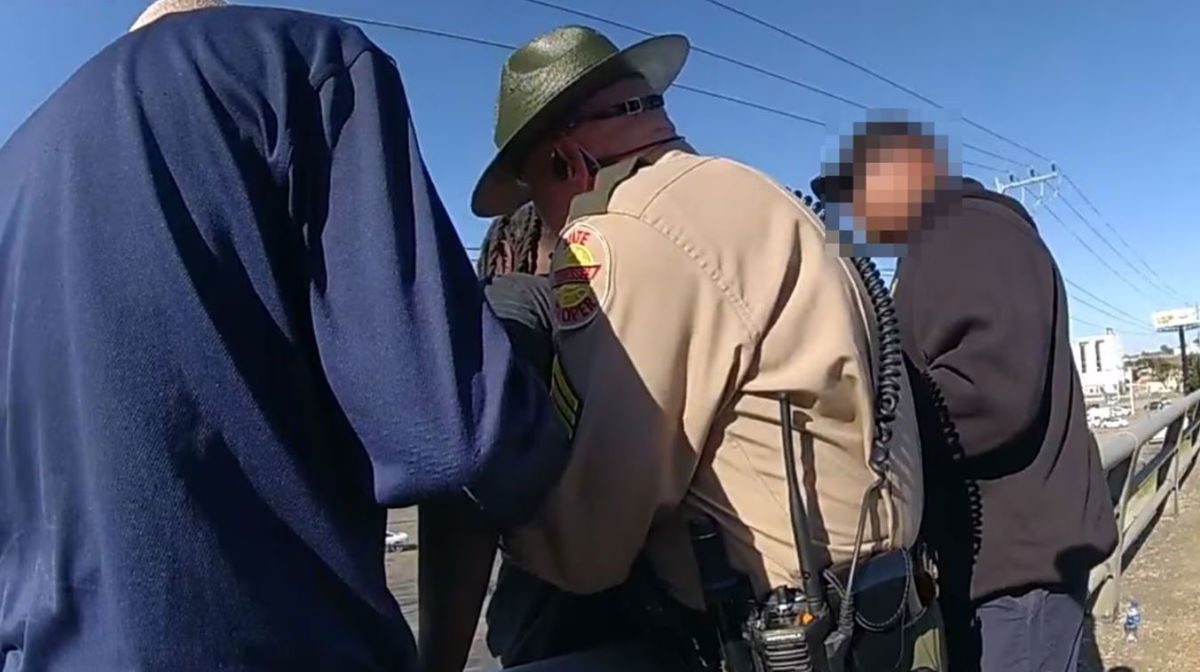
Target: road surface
column 1165, row 578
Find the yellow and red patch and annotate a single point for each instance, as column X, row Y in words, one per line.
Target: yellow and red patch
column 579, row 276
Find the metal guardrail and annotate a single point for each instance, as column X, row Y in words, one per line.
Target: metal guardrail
column 1129, row 479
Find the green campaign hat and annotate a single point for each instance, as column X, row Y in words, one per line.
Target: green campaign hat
column 544, row 79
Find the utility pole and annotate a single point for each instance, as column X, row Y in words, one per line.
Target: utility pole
column 1025, row 186
column 1183, row 352
column 1132, row 401
column 1181, row 320
column 1183, row 386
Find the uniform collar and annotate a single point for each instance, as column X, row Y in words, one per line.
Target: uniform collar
column 656, row 153
column 607, row 179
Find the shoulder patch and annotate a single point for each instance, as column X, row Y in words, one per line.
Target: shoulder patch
column 580, row 276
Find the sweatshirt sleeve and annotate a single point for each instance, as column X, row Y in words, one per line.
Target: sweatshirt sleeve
column 416, row 359
column 983, row 318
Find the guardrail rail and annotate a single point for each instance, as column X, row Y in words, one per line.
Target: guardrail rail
column 1140, row 481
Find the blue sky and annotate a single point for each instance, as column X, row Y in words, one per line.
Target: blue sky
column 1107, row 92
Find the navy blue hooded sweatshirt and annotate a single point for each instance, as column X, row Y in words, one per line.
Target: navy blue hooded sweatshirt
column 235, row 321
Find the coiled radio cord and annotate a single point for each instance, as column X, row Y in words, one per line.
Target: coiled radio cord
column 887, row 401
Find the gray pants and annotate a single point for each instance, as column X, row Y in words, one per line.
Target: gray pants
column 1037, row 631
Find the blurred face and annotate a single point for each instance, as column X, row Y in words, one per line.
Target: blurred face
column 892, row 188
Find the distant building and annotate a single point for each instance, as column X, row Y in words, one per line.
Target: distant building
column 1165, row 353
column 1101, row 364
column 1154, row 373
column 1156, row 388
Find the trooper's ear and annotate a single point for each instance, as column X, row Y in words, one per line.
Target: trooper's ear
column 571, row 163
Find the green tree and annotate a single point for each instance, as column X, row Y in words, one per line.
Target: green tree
column 1162, row 369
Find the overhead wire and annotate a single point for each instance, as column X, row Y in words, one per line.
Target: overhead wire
column 748, row 103
column 707, row 52
column 1014, row 143
column 1098, row 309
column 1081, row 288
column 1095, row 254
column 744, row 65
column 838, row 57
column 1124, row 331
column 868, row 71
column 1107, row 224
column 992, row 154
column 984, row 166
column 1104, row 239
column 508, row 47
column 761, row 107
column 1087, row 323
column 424, row 31
column 1158, row 284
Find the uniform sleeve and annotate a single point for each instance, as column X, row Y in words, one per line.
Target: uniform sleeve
column 518, row 302
column 650, row 349
column 418, row 363
column 983, row 318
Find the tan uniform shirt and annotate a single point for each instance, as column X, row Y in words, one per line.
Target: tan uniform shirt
column 689, row 293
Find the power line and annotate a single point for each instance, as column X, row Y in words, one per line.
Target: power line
column 713, row 54
column 864, row 69
column 1102, row 260
column 721, row 57
column 823, row 50
column 424, row 31
column 753, row 105
column 747, row 103
column 1160, row 283
column 697, row 90
column 1106, row 313
column 508, row 47
column 1087, row 323
column 1097, row 298
column 992, row 154
column 764, row 108
column 1131, row 332
column 744, row 65
column 983, row 166
column 1116, row 233
column 1128, row 332
column 1010, row 141
column 796, row 117
column 1105, row 240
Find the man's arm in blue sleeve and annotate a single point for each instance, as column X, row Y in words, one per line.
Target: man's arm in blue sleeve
column 418, row 362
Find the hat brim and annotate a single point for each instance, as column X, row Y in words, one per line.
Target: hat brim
column 658, row 60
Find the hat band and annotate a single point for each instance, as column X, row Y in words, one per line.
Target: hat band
column 626, row 108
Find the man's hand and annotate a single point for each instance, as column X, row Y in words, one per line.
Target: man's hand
column 457, row 548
